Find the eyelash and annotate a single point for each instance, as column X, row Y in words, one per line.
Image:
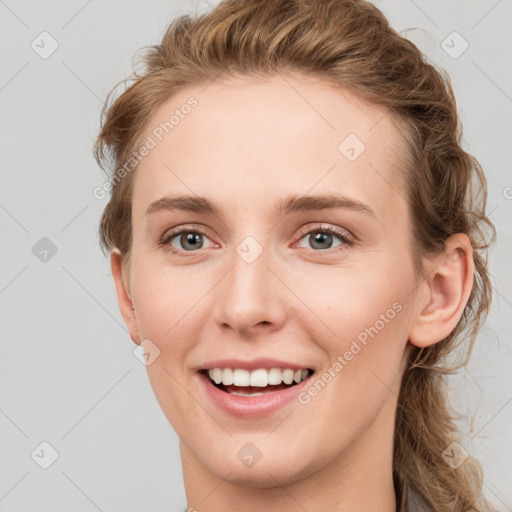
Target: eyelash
column 341, row 234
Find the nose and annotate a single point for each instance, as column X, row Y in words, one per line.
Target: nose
column 251, row 298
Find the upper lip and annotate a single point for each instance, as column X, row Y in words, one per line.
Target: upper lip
column 254, row 364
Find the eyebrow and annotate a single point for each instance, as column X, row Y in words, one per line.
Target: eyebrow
column 291, row 204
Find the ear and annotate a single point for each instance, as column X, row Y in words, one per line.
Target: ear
column 444, row 293
column 123, row 295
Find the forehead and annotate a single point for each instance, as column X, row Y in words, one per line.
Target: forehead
column 257, row 138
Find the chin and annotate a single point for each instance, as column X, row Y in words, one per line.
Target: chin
column 269, row 471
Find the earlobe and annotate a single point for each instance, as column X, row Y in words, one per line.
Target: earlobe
column 123, row 296
column 444, row 294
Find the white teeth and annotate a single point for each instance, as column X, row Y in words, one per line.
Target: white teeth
column 217, row 375
column 227, row 377
column 241, row 377
column 274, row 376
column 257, row 378
column 288, row 376
column 246, row 394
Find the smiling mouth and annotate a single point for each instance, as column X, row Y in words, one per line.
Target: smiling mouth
column 258, row 382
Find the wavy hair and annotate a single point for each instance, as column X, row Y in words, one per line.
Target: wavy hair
column 348, row 43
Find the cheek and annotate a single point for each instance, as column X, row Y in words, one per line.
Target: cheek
column 348, row 301
column 369, row 344
column 166, row 306
column 364, row 368
column 170, row 392
column 363, row 321
column 165, row 298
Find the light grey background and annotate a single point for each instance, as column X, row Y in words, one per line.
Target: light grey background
column 68, row 375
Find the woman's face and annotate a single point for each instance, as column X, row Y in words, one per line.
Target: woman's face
column 259, row 283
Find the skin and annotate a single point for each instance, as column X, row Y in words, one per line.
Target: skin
column 248, row 144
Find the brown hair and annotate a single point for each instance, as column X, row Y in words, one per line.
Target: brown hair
column 348, row 43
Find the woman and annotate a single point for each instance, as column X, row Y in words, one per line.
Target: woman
column 297, row 247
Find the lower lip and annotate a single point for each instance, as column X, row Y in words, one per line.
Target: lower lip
column 251, row 406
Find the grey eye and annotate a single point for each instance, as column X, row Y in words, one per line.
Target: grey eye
column 321, row 239
column 188, row 240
